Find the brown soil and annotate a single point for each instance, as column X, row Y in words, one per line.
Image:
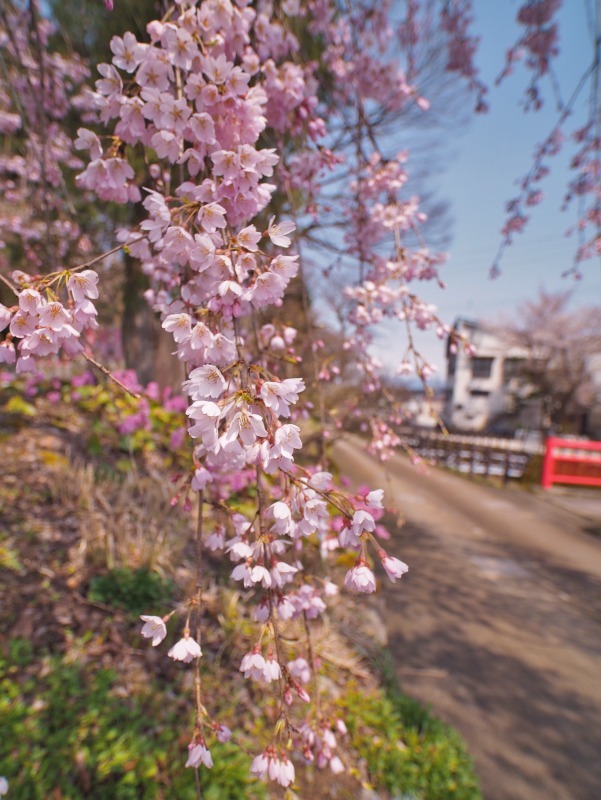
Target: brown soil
column 497, row 625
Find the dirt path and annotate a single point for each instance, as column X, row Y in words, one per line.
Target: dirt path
column 497, row 625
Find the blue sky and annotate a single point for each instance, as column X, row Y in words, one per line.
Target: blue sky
column 485, row 160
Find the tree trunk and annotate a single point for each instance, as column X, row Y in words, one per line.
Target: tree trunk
column 147, row 348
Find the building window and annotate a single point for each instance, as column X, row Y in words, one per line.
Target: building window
column 481, row 367
column 479, row 393
column 512, row 368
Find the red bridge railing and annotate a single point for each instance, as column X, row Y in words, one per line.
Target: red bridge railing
column 571, row 461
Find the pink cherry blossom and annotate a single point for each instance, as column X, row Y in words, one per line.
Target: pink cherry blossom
column 205, row 382
column 198, row 755
column 279, row 233
column 154, row 628
column 186, row 650
column 395, row 568
column 253, row 665
column 223, row 733
column 360, row 579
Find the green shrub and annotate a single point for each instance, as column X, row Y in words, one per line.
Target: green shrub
column 132, row 590
column 67, row 733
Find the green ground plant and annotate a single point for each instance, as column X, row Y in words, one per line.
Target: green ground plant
column 131, row 590
column 68, row 732
column 407, row 750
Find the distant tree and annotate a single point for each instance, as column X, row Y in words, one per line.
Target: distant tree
column 560, row 345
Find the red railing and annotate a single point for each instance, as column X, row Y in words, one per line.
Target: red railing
column 571, row 461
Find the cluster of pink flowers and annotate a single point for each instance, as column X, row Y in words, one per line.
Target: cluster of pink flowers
column 457, row 17
column 539, row 43
column 40, row 325
column 537, row 47
column 319, row 744
column 277, row 768
column 213, row 80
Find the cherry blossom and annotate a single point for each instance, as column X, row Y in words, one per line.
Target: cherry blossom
column 199, row 754
column 154, row 628
column 186, row 649
column 395, row 568
column 360, row 578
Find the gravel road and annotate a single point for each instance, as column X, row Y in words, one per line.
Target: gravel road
column 497, row 624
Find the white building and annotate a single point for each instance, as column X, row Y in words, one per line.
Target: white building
column 484, row 392
column 592, row 426
column 424, row 412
